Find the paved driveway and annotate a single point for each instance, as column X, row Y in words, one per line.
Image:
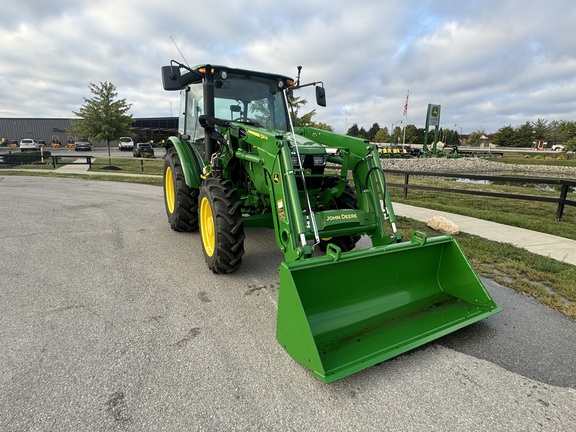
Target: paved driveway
column 111, row 321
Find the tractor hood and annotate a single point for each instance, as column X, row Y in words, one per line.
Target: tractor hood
column 305, row 144
column 254, row 135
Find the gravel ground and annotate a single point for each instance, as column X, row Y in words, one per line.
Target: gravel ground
column 478, row 166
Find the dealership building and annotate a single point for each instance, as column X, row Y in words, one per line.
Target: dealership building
column 153, row 129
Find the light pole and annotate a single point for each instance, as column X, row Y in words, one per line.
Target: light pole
column 460, row 136
column 392, row 130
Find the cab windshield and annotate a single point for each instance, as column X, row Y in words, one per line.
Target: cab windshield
column 252, row 100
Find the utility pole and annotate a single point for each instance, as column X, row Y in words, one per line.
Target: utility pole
column 459, row 136
column 392, row 130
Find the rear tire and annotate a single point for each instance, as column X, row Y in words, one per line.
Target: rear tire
column 346, row 200
column 180, row 201
column 221, row 225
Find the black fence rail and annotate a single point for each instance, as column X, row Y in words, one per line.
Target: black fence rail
column 58, row 160
column 479, row 154
column 40, row 158
column 562, row 201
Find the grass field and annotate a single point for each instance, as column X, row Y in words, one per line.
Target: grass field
column 532, row 215
column 152, row 166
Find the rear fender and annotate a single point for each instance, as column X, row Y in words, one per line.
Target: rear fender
column 190, row 159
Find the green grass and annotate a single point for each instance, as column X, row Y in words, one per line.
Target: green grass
column 105, row 177
column 150, row 166
column 43, row 166
column 556, row 160
column 532, row 215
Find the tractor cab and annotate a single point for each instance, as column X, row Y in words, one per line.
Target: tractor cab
column 238, row 95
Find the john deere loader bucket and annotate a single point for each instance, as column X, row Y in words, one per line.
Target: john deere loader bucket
column 341, row 313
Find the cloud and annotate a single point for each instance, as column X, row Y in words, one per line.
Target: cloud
column 489, row 64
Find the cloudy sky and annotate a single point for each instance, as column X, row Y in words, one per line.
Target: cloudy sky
column 488, row 63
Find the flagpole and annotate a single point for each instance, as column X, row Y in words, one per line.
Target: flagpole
column 405, row 119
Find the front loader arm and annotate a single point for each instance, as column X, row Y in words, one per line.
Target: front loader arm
column 361, row 157
column 267, row 162
column 271, row 171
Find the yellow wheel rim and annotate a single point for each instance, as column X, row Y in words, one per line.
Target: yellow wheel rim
column 169, row 189
column 207, row 227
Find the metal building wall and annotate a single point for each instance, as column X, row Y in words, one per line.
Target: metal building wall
column 143, row 129
column 18, row 128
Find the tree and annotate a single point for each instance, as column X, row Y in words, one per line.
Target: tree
column 474, row 139
column 524, row 135
column 102, row 118
column 504, row 137
column 396, row 135
column 566, row 130
column 541, row 129
column 451, row 138
column 296, row 103
column 372, row 132
column 353, row 130
column 305, row 120
column 411, row 132
column 382, row 136
column 570, row 144
column 323, row 126
column 420, row 133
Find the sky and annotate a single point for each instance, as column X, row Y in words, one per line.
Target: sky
column 489, row 63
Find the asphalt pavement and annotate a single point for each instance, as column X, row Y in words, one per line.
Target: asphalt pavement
column 559, row 248
column 111, row 321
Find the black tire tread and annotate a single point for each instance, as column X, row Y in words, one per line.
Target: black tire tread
column 185, row 216
column 229, row 225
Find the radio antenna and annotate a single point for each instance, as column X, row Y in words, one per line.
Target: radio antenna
column 298, row 79
column 185, row 61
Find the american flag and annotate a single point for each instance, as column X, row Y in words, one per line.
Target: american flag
column 406, row 105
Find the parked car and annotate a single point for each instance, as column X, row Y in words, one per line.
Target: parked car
column 28, row 144
column 558, row 147
column 125, row 143
column 413, row 151
column 83, row 145
column 142, row 148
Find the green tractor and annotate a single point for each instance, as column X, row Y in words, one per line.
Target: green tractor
column 238, row 162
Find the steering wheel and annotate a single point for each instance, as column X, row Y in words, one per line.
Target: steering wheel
column 247, row 120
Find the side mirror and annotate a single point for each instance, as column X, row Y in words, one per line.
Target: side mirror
column 320, row 96
column 171, row 78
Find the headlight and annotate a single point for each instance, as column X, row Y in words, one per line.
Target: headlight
column 319, row 160
column 295, row 160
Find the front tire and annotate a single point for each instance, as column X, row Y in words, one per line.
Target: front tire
column 180, row 201
column 221, row 225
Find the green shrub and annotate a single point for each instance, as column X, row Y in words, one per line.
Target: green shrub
column 18, row 158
